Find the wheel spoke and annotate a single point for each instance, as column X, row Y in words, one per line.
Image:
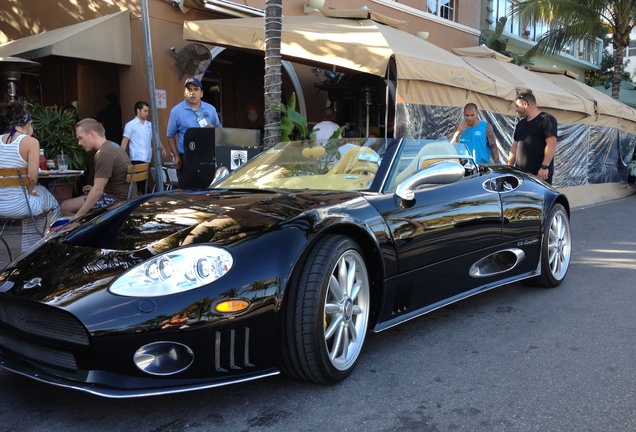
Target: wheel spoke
column 552, row 253
column 351, row 275
column 335, row 288
column 354, row 290
column 352, row 331
column 337, row 343
column 346, row 342
column 343, row 274
column 333, row 326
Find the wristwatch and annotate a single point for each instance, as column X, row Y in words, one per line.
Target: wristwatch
column 545, row 166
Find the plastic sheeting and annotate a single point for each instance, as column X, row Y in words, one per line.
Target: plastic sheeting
column 586, row 154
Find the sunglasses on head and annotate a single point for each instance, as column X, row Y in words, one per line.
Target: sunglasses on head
column 522, row 97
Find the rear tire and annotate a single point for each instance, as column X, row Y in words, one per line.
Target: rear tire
column 327, row 313
column 555, row 249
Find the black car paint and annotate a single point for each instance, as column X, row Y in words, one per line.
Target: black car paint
column 124, row 324
column 268, row 233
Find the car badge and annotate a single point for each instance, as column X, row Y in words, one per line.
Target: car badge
column 32, row 283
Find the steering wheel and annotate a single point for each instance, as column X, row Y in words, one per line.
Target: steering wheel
column 369, row 169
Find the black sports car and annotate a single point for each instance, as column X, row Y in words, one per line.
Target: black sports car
column 284, row 265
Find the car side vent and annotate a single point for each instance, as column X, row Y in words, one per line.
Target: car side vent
column 402, row 298
column 232, row 349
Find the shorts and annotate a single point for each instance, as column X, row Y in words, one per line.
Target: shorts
column 103, row 201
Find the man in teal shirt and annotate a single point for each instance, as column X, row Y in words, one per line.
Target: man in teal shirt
column 478, row 136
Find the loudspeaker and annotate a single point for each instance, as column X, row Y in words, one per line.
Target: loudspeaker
column 199, row 155
column 234, row 147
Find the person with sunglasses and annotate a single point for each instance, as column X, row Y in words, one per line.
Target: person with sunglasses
column 534, row 140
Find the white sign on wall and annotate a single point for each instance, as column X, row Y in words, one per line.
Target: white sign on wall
column 238, row 158
column 161, row 98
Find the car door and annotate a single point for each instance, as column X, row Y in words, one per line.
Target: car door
column 437, row 237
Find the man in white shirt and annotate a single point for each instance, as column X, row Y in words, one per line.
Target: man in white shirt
column 138, row 133
column 325, row 129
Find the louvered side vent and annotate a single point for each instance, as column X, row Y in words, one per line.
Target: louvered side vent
column 402, row 298
column 232, row 349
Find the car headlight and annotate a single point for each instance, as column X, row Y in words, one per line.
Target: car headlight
column 174, row 272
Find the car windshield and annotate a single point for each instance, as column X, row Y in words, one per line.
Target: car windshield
column 341, row 164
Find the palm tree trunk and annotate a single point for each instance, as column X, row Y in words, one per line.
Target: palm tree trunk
column 273, row 76
column 619, row 57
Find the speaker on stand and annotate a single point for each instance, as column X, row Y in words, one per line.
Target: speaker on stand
column 199, row 155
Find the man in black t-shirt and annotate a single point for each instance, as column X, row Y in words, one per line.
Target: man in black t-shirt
column 534, row 140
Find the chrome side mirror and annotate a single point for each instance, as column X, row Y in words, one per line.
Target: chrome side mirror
column 443, row 172
column 220, row 174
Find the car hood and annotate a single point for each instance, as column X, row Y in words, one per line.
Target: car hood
column 88, row 257
column 169, row 220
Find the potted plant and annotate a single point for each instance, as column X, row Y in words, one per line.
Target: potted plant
column 55, row 129
column 293, row 125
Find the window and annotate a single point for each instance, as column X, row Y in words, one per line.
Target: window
column 631, row 49
column 588, row 50
column 442, row 8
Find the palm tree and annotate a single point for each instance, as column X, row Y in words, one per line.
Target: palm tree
column 497, row 42
column 572, row 20
column 273, row 75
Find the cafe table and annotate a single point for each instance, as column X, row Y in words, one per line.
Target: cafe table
column 61, row 183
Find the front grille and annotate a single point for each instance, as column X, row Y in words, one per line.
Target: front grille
column 41, row 322
column 38, row 354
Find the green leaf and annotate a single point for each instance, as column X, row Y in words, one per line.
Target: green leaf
column 55, row 130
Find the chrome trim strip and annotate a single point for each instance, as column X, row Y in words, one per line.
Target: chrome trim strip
column 119, row 393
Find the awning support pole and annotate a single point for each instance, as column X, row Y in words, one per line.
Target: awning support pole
column 156, row 141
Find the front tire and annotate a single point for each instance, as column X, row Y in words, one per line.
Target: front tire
column 327, row 313
column 556, row 249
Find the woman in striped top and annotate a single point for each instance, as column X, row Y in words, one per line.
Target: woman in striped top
column 19, row 149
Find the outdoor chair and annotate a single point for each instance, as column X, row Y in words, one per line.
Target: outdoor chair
column 34, row 226
column 137, row 173
column 163, row 178
column 173, row 179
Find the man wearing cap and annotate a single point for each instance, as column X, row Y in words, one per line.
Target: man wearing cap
column 192, row 112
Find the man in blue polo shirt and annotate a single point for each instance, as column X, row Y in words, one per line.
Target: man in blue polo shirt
column 192, row 112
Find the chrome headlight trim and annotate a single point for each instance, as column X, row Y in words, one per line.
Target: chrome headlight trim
column 174, row 272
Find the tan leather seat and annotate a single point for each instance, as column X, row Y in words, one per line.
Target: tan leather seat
column 429, row 154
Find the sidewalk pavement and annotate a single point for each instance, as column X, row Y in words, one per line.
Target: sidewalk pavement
column 579, row 196
column 587, row 195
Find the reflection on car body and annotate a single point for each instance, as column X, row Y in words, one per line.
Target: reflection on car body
column 283, row 265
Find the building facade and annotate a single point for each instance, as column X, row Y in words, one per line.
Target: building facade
column 577, row 57
column 86, row 71
column 88, row 50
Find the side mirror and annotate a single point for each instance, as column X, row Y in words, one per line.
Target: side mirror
column 220, row 174
column 443, row 172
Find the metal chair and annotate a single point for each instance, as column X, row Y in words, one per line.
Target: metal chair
column 164, row 178
column 137, row 173
column 173, row 179
column 17, row 176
